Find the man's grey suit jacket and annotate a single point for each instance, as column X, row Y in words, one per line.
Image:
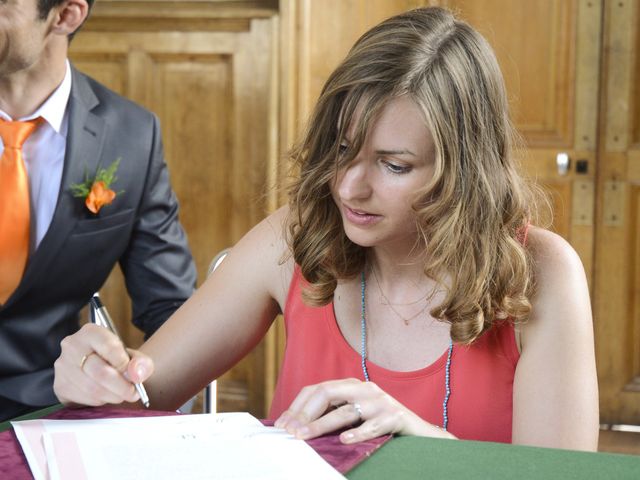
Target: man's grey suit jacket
column 140, row 229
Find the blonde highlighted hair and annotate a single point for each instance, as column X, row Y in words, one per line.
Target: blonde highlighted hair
column 471, row 216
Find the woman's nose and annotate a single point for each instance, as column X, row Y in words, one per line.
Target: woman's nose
column 353, row 181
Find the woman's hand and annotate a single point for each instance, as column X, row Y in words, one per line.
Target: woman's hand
column 94, row 368
column 333, row 405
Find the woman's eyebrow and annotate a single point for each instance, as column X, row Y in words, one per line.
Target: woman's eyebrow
column 395, row 152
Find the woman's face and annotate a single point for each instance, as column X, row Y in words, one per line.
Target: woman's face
column 376, row 190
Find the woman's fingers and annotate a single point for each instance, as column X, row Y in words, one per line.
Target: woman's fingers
column 333, row 420
column 328, row 406
column 292, row 418
column 313, row 401
column 362, row 407
column 387, row 422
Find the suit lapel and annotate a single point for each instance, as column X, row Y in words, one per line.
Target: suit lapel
column 85, row 138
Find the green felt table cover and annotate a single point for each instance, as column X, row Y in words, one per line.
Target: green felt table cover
column 429, row 458
column 31, row 416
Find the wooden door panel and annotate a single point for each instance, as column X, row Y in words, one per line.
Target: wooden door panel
column 323, row 32
column 211, row 85
column 539, row 74
column 200, row 154
column 617, row 293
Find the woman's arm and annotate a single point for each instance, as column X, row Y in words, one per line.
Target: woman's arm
column 555, row 387
column 224, row 319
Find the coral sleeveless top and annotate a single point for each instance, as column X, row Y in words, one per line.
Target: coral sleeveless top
column 481, row 402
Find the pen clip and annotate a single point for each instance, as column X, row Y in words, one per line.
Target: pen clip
column 92, row 313
column 95, row 302
column 100, row 315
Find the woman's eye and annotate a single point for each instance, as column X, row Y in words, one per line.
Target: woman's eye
column 342, row 149
column 398, row 169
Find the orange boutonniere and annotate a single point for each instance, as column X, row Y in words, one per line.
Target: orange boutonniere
column 96, row 190
column 99, row 196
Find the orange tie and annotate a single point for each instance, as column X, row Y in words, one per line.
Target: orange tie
column 14, row 205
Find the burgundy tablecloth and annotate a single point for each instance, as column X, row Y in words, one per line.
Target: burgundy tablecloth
column 13, row 464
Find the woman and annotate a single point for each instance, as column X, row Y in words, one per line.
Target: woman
column 417, row 298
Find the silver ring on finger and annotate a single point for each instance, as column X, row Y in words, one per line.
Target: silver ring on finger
column 358, row 410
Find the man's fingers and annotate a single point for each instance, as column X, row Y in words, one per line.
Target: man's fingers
column 75, row 386
column 103, row 380
column 140, row 367
column 107, row 345
column 94, row 366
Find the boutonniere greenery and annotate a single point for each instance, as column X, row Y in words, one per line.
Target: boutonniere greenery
column 96, row 190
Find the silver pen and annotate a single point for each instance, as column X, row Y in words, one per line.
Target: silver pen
column 100, row 316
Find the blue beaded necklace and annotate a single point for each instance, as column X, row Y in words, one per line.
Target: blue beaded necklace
column 363, row 356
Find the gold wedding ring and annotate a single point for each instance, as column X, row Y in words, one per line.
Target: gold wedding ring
column 83, row 360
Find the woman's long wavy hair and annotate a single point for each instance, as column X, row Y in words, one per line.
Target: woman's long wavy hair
column 472, row 214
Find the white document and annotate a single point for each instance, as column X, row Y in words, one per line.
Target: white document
column 29, row 435
column 220, row 446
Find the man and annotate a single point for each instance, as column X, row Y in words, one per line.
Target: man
column 98, row 193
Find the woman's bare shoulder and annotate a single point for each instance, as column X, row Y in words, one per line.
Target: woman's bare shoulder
column 266, row 245
column 267, row 236
column 551, row 254
column 561, row 290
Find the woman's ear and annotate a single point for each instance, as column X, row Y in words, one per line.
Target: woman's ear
column 69, row 16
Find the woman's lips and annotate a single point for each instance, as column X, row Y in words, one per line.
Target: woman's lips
column 358, row 217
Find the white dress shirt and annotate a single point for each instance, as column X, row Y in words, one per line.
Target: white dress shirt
column 43, row 153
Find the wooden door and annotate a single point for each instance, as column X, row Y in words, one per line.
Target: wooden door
column 617, row 285
column 208, row 70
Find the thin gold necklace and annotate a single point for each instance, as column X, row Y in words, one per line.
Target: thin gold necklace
column 363, row 354
column 390, row 305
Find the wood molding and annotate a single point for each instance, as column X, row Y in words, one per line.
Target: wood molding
column 619, row 74
column 168, row 15
column 588, row 58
